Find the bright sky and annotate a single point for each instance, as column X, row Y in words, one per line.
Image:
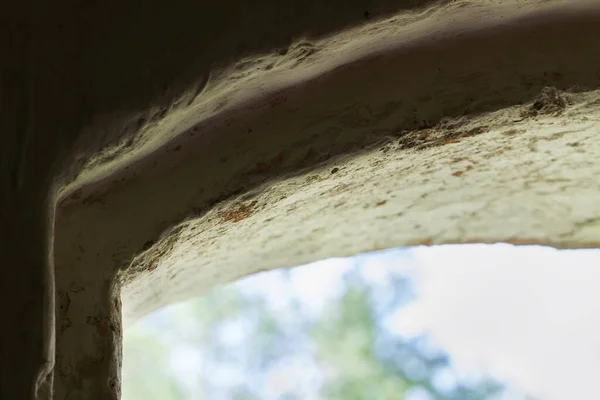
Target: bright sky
column 529, row 316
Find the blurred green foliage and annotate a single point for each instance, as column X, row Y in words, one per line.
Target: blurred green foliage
column 242, row 345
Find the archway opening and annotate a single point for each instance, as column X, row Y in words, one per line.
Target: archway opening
column 441, row 322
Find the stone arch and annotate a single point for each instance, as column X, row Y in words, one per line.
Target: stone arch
column 453, row 123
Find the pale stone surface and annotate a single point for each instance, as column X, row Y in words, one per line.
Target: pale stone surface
column 178, row 164
column 533, row 181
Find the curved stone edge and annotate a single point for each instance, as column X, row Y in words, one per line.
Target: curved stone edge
column 338, row 114
column 505, row 176
column 100, row 223
column 54, row 69
column 253, row 84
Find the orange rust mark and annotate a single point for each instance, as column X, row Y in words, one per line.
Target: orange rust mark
column 380, row 203
column 239, row 212
column 461, row 173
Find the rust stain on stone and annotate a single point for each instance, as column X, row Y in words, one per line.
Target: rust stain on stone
column 461, row 173
column 239, row 212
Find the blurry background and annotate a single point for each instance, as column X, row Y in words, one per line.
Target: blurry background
column 444, row 322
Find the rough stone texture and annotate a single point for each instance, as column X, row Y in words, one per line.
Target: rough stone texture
column 534, row 179
column 151, row 151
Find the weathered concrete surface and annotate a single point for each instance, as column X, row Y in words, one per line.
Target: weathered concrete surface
column 76, row 77
column 533, row 179
column 182, row 160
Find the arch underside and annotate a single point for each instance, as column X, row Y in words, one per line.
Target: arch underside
column 457, row 124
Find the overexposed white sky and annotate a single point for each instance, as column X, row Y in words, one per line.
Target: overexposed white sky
column 529, row 316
